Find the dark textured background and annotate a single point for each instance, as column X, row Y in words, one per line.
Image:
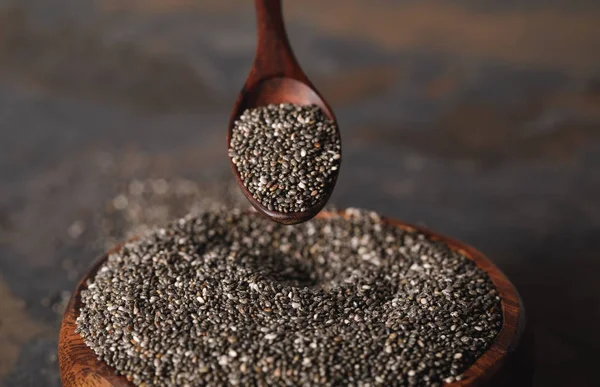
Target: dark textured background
column 480, row 119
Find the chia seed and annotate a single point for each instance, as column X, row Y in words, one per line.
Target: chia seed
column 227, row 297
column 286, row 155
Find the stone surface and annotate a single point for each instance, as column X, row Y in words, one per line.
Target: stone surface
column 478, row 118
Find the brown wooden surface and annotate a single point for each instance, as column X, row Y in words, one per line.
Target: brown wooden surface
column 276, row 77
column 79, row 366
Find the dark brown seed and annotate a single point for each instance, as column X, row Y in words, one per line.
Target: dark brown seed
column 231, row 298
column 263, row 137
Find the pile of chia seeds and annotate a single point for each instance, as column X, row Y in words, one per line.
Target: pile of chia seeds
column 143, row 204
column 286, row 155
column 227, row 297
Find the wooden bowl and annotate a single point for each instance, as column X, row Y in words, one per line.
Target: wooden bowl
column 505, row 363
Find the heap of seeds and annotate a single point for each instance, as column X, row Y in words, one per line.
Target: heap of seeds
column 231, row 298
column 286, row 155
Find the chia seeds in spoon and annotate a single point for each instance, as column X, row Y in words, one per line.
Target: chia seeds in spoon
column 286, row 155
column 232, row 298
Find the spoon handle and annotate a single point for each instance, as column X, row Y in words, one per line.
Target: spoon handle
column 274, row 55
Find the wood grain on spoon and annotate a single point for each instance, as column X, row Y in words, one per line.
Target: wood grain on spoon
column 277, row 78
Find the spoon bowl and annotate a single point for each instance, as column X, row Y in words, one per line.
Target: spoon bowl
column 276, row 78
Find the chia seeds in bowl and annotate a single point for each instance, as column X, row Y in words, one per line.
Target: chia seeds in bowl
column 231, row 298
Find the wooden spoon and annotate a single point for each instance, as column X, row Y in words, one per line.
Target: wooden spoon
column 277, row 78
column 506, row 363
